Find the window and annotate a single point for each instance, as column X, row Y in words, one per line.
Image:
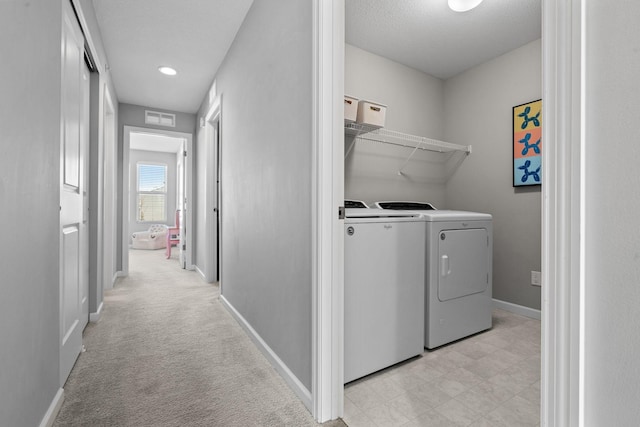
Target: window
column 152, row 193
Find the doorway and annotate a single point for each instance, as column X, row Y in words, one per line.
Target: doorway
column 157, row 190
column 455, row 96
column 211, row 146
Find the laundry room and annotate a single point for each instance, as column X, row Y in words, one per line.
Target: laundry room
column 447, row 83
column 472, row 108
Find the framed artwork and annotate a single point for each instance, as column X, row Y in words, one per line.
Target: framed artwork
column 527, row 144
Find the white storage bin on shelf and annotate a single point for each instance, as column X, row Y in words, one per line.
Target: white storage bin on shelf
column 371, row 114
column 350, row 109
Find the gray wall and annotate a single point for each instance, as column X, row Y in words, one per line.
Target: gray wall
column 266, row 86
column 478, row 108
column 414, row 100
column 29, row 196
column 133, row 115
column 612, row 236
column 169, row 159
column 100, row 82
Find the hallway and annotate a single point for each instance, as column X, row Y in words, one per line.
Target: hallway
column 167, row 353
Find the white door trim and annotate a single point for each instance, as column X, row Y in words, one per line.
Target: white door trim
column 126, row 144
column 327, row 387
column 563, row 217
column 212, row 124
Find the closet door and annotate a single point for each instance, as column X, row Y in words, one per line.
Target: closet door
column 72, row 215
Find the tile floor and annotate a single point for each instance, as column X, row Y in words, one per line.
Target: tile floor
column 489, row 379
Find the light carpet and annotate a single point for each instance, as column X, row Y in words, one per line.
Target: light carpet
column 167, row 353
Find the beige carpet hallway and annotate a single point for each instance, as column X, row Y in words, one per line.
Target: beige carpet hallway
column 167, row 353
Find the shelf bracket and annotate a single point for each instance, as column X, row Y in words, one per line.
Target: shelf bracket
column 409, row 158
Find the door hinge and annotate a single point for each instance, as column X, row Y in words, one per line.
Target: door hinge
column 340, row 212
column 185, row 153
column 184, row 247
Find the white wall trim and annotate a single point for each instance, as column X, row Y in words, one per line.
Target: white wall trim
column 517, row 309
column 95, row 317
column 213, row 121
column 562, row 377
column 201, row 273
column 327, row 301
column 54, row 408
column 87, row 35
column 294, row 383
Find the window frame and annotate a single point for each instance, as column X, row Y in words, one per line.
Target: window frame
column 163, row 193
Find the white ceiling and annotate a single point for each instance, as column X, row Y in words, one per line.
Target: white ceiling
column 428, row 36
column 154, row 142
column 193, row 36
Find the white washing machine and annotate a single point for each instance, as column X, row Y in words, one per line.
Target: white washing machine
column 458, row 286
column 383, row 289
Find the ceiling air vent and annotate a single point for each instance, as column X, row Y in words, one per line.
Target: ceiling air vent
column 159, row 119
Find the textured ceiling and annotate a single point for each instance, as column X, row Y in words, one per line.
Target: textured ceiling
column 192, row 36
column 428, row 36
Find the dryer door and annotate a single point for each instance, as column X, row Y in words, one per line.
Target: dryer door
column 463, row 257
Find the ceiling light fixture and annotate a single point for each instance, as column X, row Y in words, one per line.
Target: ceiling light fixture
column 168, row 71
column 463, row 5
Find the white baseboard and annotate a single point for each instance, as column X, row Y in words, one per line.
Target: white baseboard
column 54, row 408
column 517, row 309
column 201, row 273
column 292, row 381
column 94, row 317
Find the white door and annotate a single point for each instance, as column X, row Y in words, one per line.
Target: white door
column 464, row 262
column 71, row 192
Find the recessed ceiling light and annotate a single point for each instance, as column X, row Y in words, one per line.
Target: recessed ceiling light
column 463, row 5
column 168, row 71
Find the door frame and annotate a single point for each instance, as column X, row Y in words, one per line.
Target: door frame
column 327, row 286
column 109, row 190
column 213, row 193
column 563, row 213
column 188, row 191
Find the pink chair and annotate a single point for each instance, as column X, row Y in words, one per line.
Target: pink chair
column 173, row 235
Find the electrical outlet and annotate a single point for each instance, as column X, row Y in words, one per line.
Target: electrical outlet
column 535, row 278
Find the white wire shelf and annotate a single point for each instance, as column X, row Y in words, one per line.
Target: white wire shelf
column 402, row 139
column 414, row 142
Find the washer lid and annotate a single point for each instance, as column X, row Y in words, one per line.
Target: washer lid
column 405, row 206
column 442, row 215
column 378, row 213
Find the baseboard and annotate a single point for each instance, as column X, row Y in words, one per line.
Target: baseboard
column 94, row 317
column 201, row 273
column 292, row 381
column 517, row 309
column 54, row 408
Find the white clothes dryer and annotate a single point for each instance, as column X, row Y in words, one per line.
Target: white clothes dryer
column 458, row 274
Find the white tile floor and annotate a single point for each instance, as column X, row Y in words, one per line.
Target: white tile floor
column 489, row 379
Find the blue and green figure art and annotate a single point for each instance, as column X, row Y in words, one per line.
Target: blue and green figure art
column 526, row 170
column 527, row 144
